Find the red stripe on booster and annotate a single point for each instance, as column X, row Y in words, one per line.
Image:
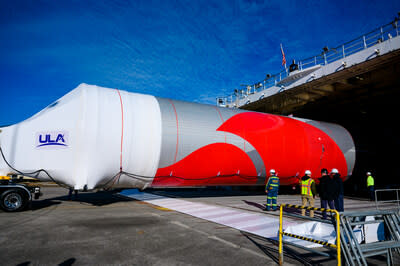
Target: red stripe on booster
column 214, row 164
column 287, row 145
column 177, row 130
column 122, row 129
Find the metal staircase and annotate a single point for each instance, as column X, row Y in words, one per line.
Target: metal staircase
column 355, row 253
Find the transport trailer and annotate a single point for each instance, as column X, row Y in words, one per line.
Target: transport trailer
column 17, row 193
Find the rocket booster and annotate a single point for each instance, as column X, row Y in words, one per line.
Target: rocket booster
column 96, row 137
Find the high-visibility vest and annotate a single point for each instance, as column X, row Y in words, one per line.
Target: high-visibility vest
column 273, row 183
column 305, row 186
column 370, row 181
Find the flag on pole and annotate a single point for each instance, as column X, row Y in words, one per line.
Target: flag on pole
column 283, row 57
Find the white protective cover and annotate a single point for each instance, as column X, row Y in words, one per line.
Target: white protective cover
column 318, row 231
column 84, row 138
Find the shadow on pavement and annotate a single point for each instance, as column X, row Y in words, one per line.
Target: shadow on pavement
column 67, row 262
column 100, row 198
column 206, row 192
column 42, row 204
column 255, row 204
column 270, row 247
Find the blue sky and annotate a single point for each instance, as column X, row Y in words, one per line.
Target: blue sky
column 186, row 50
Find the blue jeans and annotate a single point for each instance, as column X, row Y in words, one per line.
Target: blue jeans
column 371, row 191
column 339, row 205
column 325, row 203
column 271, row 200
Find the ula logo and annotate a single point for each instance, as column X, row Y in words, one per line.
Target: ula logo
column 55, row 139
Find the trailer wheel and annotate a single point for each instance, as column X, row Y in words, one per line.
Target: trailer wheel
column 13, row 200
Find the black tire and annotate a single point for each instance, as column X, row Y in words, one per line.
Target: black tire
column 13, row 200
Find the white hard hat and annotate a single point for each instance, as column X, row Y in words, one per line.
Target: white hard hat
column 307, row 172
column 334, row 171
column 368, row 173
column 272, row 171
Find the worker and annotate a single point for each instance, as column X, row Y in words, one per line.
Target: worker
column 293, row 66
column 272, row 188
column 70, row 190
column 339, row 202
column 371, row 186
column 308, row 192
column 328, row 191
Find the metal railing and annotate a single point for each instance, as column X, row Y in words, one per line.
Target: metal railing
column 324, row 243
column 356, row 252
column 388, row 193
column 328, row 56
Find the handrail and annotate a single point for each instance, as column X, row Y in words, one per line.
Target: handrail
column 397, row 200
column 328, row 56
column 281, row 233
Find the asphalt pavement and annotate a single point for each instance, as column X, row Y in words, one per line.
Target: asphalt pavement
column 103, row 228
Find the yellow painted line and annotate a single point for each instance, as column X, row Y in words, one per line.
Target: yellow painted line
column 85, row 205
column 162, row 208
column 154, row 206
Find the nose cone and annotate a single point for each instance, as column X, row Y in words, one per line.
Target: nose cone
column 5, row 153
column 1, row 158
